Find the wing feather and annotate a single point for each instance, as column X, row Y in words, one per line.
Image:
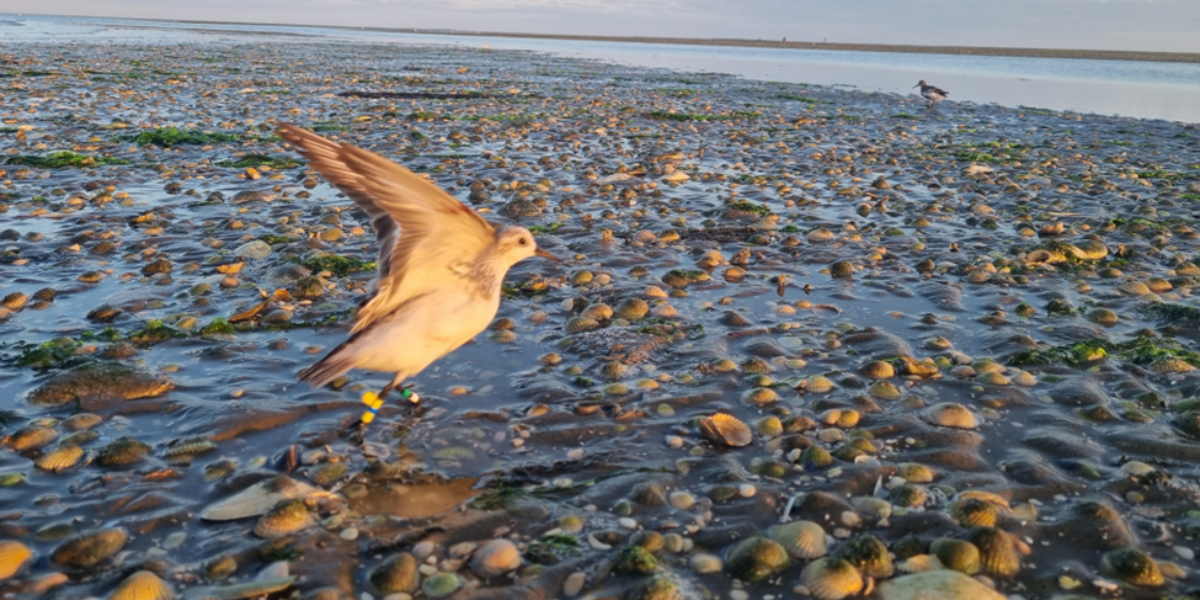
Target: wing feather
column 425, row 234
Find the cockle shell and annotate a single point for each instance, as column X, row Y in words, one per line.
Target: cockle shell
column 726, row 429
column 832, row 579
column 802, row 539
column 288, row 517
column 60, row 458
column 13, row 555
column 143, row 585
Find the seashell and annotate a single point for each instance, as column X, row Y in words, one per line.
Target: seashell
column 81, row 421
column 654, row 292
column 817, row 384
column 580, row 325
column 987, row 365
column 909, row 495
column 1087, row 249
column 598, row 312
column 1024, row 379
column 13, row 556
column 614, row 370
column 189, row 447
column 1171, row 364
column 220, row 567
column 815, row 457
column 122, row 451
column 219, row 469
column 495, row 557
column 973, row 512
column 765, row 349
column 89, row 549
column 441, row 585
column 868, row 554
column 819, row 235
column 920, row 563
column 726, row 429
column 664, row 310
column 992, row 378
column 802, row 540
column 733, row 319
column 938, row 583
column 502, row 323
column 327, row 474
column 756, row 365
column 949, row 414
column 288, row 517
column 760, row 396
column 503, row 336
column 257, row 499
column 755, row 559
column 1132, row 566
column 31, row 438
column 958, row 555
column 963, row 372
column 916, row 473
column 769, row 426
column 997, row 554
column 398, row 574
column 258, row 588
column 876, row 508
column 1134, row 288
column 884, row 390
column 878, row 369
column 60, row 459
column 143, row 585
column 723, row 365
column 1103, row 316
column 632, row 309
column 831, row 579
column 537, row 317
column 79, row 438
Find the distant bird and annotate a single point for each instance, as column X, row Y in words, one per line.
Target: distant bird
column 440, row 264
column 932, row 93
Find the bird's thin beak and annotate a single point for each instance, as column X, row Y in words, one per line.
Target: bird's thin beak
column 916, row 85
column 544, row 254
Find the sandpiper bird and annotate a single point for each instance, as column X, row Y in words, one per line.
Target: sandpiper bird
column 931, row 92
column 440, row 265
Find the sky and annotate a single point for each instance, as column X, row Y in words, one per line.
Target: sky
column 1154, row 25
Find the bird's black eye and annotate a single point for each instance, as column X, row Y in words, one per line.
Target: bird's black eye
column 522, row 241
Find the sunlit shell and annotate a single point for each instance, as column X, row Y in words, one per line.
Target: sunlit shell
column 760, row 396
column 288, row 517
column 755, row 559
column 983, row 495
column 89, row 549
column 949, row 414
column 937, row 583
column 726, row 429
column 13, row 555
column 756, row 365
column 1132, row 566
column 664, row 310
column 614, row 370
column 580, row 325
column 654, row 292
column 920, row 563
column 632, row 309
column 397, row 574
column 819, row 235
column 769, row 426
column 257, row 499
column 817, row 384
column 992, row 378
column 503, row 336
column 909, row 495
column 997, row 554
column 256, row 588
column 916, row 473
column 31, row 438
column 1024, row 379
column 723, row 365
column 327, row 474
column 189, row 447
column 868, row 554
column 1134, row 288
column 598, row 312
column 502, row 323
column 537, row 317
column 60, row 458
column 1170, row 364
column 802, row 539
column 958, row 555
column 1087, row 249
column 873, row 507
column 815, row 457
column 79, row 438
column 143, row 585
column 878, row 369
column 972, row 512
column 832, row 579
column 81, row 421
column 219, row 469
column 884, row 390
column 122, row 451
column 920, row 368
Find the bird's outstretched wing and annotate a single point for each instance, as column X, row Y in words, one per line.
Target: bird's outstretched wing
column 425, row 235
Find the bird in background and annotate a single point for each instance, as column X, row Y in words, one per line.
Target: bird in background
column 440, row 266
column 932, row 93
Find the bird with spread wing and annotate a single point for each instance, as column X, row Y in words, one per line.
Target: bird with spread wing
column 441, row 265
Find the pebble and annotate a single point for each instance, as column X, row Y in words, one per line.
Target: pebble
column 495, row 557
column 1184, row 552
column 574, row 584
column 349, row 534
column 704, row 563
column 255, row 250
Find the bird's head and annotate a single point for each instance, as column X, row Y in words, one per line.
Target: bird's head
column 920, row 83
column 516, row 244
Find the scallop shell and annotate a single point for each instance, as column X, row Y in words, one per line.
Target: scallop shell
column 580, row 325
column 60, row 459
column 257, row 499
column 916, row 473
column 288, row 517
column 143, row 585
column 1170, row 364
column 326, row 474
column 632, row 309
column 538, row 317
column 803, row 540
column 819, row 235
column 909, row 495
column 502, row 323
column 939, row 583
column 756, row 365
column 723, row 365
column 832, row 579
column 957, row 555
column 122, row 451
column 89, row 549
column 755, row 559
column 972, row 512
column 726, row 429
column 614, row 370
column 1132, row 566
column 991, row 378
column 664, row 310
column 878, row 369
column 884, row 390
column 654, row 292
column 81, row 421
column 868, row 554
column 189, row 447
column 79, row 438
column 997, row 554
column 817, row 384
column 397, row 574
column 258, row 588
column 31, row 438
column 760, row 396
column 13, row 555
column 504, row 336
column 815, row 457
column 1024, row 379
column 598, row 312
column 873, row 507
column 949, row 414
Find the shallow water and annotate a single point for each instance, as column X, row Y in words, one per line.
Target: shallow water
column 597, row 425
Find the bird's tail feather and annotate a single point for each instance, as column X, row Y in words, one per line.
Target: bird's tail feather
column 334, row 365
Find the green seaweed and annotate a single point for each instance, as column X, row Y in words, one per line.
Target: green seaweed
column 551, row 228
column 273, row 239
column 173, row 136
column 1139, row 351
column 675, row 116
column 260, row 160
column 904, row 115
column 750, row 207
column 218, row 326
column 338, row 265
column 1173, row 314
column 62, row 160
column 328, row 127
column 155, row 332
